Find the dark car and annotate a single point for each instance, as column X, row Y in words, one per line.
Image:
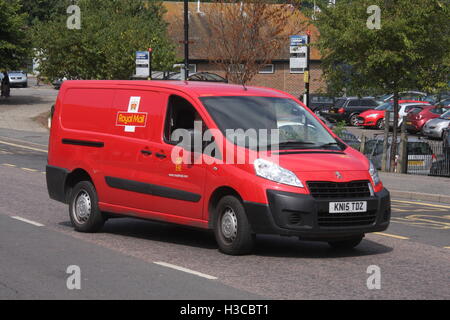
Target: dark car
column 319, row 102
column 348, row 109
column 441, row 167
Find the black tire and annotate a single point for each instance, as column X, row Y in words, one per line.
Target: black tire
column 240, row 241
column 84, row 194
column 346, row 244
column 380, row 124
column 354, row 120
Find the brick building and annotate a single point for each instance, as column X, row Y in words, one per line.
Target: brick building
column 276, row 75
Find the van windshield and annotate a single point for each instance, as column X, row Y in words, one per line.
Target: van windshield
column 297, row 128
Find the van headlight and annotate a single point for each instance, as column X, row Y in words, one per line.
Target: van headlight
column 374, row 173
column 271, row 171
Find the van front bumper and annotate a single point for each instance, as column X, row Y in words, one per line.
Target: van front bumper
column 293, row 214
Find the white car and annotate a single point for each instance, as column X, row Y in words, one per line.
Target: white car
column 404, row 109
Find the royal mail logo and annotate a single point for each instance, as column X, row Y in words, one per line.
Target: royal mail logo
column 127, row 119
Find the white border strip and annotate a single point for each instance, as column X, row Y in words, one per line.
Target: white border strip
column 37, row 224
column 172, row 266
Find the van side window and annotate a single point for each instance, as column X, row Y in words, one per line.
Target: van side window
column 180, row 115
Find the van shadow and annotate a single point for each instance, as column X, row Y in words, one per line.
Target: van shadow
column 265, row 246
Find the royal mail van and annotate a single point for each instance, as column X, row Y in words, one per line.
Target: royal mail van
column 237, row 160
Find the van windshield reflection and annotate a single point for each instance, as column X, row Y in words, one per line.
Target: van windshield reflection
column 268, row 123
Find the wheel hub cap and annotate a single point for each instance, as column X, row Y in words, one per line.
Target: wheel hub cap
column 82, row 207
column 229, row 224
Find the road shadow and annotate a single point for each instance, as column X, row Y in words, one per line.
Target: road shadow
column 265, row 246
column 22, row 100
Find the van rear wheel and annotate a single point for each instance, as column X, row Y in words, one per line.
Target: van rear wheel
column 346, row 244
column 232, row 229
column 83, row 208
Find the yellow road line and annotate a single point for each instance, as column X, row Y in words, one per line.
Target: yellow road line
column 9, row 165
column 22, row 146
column 392, row 236
column 446, row 247
column 424, row 204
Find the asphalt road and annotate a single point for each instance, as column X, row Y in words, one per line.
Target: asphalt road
column 135, row 259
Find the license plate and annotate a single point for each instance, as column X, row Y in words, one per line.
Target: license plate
column 408, row 122
column 416, row 163
column 348, row 207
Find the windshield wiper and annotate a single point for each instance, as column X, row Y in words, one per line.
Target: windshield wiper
column 292, row 145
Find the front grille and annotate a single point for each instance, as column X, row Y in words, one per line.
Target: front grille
column 342, row 190
column 347, row 219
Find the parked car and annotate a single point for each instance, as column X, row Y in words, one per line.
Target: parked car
column 375, row 118
column 350, row 139
column 441, row 167
column 57, row 83
column 406, row 95
column 113, row 148
column 420, row 154
column 18, row 79
column 199, row 76
column 319, row 102
column 404, row 109
column 417, row 117
column 348, row 109
column 435, row 127
column 444, row 102
column 207, row 76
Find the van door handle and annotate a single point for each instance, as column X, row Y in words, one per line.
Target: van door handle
column 161, row 156
column 146, row 152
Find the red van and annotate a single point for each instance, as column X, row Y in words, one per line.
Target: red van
column 186, row 153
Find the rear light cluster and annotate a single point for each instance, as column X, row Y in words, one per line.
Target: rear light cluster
column 341, row 110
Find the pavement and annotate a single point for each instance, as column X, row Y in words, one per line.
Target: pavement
column 18, row 111
column 17, row 124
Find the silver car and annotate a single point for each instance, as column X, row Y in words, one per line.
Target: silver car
column 420, row 154
column 434, row 128
column 18, row 79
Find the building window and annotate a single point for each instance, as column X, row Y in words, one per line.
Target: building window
column 267, row 68
column 297, row 70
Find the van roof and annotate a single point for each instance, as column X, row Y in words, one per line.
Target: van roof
column 195, row 88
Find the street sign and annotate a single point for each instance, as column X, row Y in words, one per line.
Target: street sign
column 142, row 64
column 298, row 53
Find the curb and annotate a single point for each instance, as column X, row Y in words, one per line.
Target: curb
column 420, row 196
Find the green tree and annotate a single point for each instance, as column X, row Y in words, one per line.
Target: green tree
column 412, row 41
column 14, row 46
column 43, row 10
column 104, row 48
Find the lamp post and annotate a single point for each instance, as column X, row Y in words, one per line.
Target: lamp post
column 186, row 39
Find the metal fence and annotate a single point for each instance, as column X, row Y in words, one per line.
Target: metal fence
column 423, row 156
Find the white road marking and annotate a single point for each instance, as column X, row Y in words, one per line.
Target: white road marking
column 28, row 169
column 22, row 146
column 37, row 224
column 172, row 266
column 9, row 165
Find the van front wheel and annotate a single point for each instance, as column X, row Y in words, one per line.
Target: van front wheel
column 83, row 208
column 232, row 229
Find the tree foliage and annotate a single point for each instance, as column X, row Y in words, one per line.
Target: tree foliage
column 409, row 51
column 14, row 47
column 104, row 48
column 43, row 10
